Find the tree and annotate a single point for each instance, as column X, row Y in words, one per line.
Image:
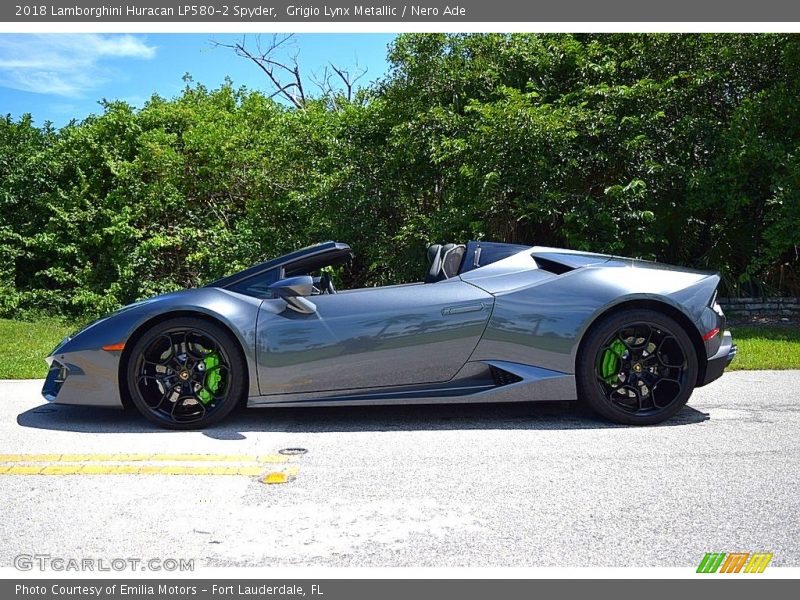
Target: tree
column 680, row 148
column 284, row 74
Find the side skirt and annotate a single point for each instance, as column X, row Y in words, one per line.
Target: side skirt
column 489, row 381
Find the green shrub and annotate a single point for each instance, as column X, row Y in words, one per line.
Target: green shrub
column 682, row 148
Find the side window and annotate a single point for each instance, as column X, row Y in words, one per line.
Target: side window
column 258, row 285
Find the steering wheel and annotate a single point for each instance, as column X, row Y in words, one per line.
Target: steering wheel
column 326, row 284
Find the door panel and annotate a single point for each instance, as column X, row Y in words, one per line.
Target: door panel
column 395, row 335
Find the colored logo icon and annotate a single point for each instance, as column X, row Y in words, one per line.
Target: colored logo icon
column 734, row 562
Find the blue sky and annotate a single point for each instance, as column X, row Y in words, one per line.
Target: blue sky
column 57, row 77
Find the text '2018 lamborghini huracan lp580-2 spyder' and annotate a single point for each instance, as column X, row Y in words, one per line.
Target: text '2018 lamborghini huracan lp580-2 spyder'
column 490, row 323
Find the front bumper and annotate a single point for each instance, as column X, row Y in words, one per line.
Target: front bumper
column 716, row 364
column 85, row 377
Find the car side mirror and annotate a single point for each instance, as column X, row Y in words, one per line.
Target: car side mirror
column 293, row 290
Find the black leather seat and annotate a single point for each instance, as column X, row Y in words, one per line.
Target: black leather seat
column 434, row 263
column 445, row 261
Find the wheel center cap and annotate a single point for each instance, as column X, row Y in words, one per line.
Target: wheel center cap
column 637, row 367
column 183, row 375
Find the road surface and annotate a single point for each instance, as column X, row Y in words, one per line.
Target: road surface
column 493, row 485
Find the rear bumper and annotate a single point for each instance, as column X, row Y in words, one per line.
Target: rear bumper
column 716, row 364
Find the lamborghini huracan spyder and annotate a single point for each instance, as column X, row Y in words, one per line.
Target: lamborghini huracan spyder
column 490, row 323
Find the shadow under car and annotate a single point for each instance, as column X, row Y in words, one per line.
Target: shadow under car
column 420, row 417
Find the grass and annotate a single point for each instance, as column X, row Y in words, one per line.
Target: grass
column 24, row 345
column 764, row 347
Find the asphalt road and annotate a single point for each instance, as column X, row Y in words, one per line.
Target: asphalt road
column 493, row 485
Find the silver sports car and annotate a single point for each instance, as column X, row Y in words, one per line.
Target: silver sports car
column 491, row 322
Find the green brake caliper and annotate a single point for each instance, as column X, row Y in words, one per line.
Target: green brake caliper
column 609, row 368
column 213, row 378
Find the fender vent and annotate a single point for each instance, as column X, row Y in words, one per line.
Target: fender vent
column 502, row 377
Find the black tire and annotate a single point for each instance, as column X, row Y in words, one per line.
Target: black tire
column 636, row 367
column 186, row 373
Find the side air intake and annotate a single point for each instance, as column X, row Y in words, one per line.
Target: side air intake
column 502, row 377
column 551, row 266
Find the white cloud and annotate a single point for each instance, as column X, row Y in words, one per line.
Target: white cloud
column 65, row 65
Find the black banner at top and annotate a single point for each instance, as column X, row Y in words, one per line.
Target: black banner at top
column 399, row 11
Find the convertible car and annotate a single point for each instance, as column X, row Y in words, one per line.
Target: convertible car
column 491, row 322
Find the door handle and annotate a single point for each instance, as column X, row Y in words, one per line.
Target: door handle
column 464, row 308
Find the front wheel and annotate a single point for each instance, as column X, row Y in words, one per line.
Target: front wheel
column 637, row 367
column 186, row 373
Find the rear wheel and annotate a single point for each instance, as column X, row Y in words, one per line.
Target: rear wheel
column 186, row 373
column 637, row 367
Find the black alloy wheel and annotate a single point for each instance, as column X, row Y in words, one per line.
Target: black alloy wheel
column 637, row 367
column 186, row 373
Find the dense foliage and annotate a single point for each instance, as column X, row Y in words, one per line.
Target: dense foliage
column 681, row 148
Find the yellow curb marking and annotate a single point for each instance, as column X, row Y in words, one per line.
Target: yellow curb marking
column 56, row 470
column 23, row 470
column 239, row 458
column 128, row 470
column 101, row 464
